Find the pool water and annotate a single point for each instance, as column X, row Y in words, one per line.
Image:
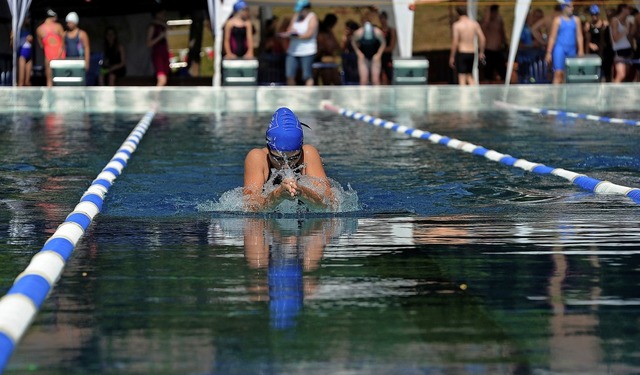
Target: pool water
column 444, row 262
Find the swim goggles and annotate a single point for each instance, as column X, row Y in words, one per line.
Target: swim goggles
column 291, row 159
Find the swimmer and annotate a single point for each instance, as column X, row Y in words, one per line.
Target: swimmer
column 565, row 40
column 285, row 169
column 51, row 38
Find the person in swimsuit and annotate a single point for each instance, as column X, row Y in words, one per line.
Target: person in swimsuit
column 369, row 44
column 494, row 32
column 565, row 40
column 465, row 30
column 596, row 39
column 76, row 41
column 25, row 54
column 285, row 169
column 157, row 41
column 51, row 37
column 238, row 33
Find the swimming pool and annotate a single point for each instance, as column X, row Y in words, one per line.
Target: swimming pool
column 449, row 262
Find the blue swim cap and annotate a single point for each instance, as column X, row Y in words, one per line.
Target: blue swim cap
column 285, row 131
column 238, row 6
column 300, row 4
column 594, row 9
column 564, row 3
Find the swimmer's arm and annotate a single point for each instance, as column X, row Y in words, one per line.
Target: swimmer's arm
column 552, row 38
column 383, row 43
column 84, row 37
column 39, row 36
column 254, row 179
column 314, row 187
column 587, row 35
column 226, row 42
column 256, row 201
column 454, row 46
column 249, row 27
column 579, row 37
column 314, row 191
column 392, row 42
column 482, row 42
column 151, row 41
column 357, row 35
column 536, row 30
column 63, row 47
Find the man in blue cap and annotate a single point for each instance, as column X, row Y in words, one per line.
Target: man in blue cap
column 285, row 169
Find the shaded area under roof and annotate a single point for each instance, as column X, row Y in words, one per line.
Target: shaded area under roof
column 113, row 7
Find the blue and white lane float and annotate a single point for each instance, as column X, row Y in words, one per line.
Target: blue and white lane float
column 557, row 113
column 21, row 303
column 585, row 182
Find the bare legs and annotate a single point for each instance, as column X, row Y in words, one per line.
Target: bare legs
column 24, row 72
column 465, row 79
column 162, row 80
column 371, row 67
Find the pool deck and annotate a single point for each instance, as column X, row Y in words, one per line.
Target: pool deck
column 586, row 98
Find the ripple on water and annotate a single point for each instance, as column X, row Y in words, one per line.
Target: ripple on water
column 19, row 167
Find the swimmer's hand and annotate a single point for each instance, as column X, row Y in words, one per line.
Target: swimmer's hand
column 290, row 187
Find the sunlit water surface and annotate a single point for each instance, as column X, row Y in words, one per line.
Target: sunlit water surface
column 442, row 263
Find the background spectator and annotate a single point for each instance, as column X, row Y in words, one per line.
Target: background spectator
column 597, row 39
column 494, row 33
column 541, row 29
column 272, row 53
column 114, row 60
column 565, row 40
column 302, row 50
column 76, row 41
column 368, row 43
column 621, row 28
column 463, row 48
column 328, row 50
column 349, row 57
column 51, row 37
column 530, row 57
column 238, row 33
column 25, row 53
column 157, row 41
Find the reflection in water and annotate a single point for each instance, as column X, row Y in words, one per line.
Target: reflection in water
column 288, row 249
column 574, row 347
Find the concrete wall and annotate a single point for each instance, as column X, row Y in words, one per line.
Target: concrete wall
column 585, row 98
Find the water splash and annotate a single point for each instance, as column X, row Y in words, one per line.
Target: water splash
column 233, row 201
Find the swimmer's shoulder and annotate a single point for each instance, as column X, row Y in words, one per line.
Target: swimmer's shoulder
column 256, row 155
column 309, row 148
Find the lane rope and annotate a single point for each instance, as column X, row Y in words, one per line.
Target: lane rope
column 583, row 181
column 22, row 302
column 558, row 113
